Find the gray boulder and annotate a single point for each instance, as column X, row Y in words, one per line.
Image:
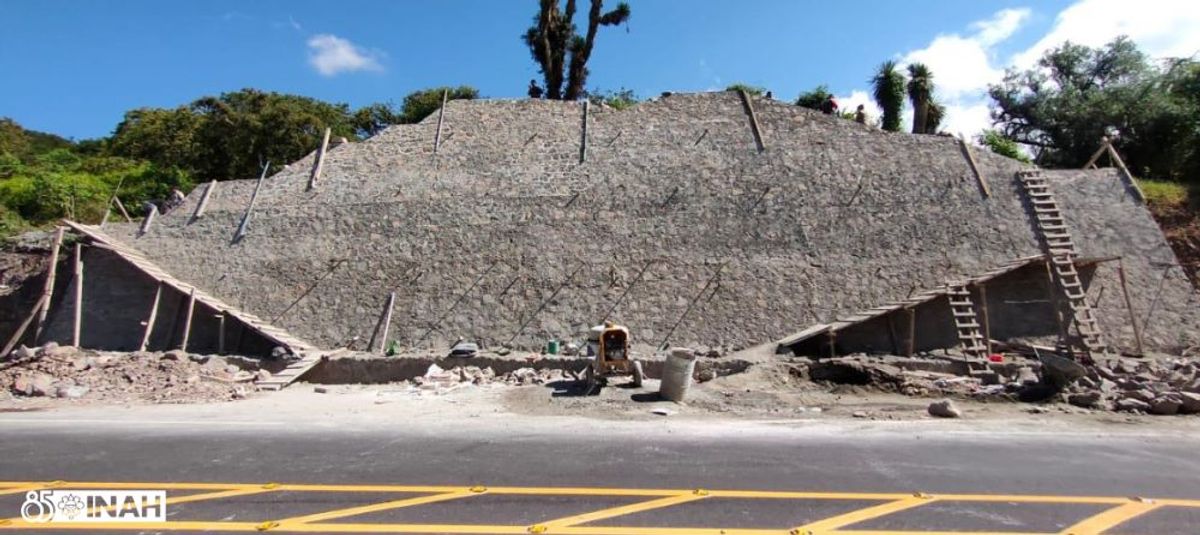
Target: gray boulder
column 944, row 408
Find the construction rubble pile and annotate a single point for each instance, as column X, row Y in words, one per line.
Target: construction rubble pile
column 54, row 371
column 438, row 380
column 1162, row 386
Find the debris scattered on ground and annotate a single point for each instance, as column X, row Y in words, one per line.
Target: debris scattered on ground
column 54, row 371
column 944, row 409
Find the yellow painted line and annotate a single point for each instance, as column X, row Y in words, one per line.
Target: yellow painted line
column 624, row 510
column 1097, row 524
column 854, row 517
column 128, row 485
column 384, row 506
column 589, row 530
column 890, row 532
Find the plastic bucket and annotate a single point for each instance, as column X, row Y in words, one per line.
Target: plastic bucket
column 677, row 374
column 552, row 347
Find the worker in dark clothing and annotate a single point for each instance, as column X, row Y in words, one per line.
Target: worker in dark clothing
column 860, row 115
column 535, row 91
column 829, row 107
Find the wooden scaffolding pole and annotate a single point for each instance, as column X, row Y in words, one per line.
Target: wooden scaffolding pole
column 187, row 320
column 987, row 324
column 1137, row 330
column 16, row 337
column 150, row 320
column 76, row 325
column 320, row 161
column 48, row 289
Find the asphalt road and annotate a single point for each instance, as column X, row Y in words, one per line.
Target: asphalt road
column 847, row 456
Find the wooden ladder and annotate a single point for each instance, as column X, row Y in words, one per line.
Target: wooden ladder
column 1057, row 244
column 966, row 321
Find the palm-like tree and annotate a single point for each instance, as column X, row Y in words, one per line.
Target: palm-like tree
column 933, row 121
column 920, row 93
column 888, row 88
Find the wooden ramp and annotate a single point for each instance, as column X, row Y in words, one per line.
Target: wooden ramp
column 143, row 264
column 295, row 370
column 917, row 299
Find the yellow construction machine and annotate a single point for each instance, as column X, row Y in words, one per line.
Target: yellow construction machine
column 609, row 346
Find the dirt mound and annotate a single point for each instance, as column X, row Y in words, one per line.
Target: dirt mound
column 90, row 376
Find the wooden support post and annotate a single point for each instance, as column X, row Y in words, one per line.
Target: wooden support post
column 149, row 219
column 150, row 320
column 241, row 231
column 966, row 150
column 203, row 204
column 749, row 107
column 48, row 288
column 892, row 334
column 319, row 161
column 1137, row 330
column 1103, row 147
column 107, row 212
column 16, row 337
column 121, row 206
column 1051, row 285
column 437, row 137
column 912, row 331
column 187, row 320
column 385, row 324
column 221, row 333
column 583, row 133
column 987, row 323
column 76, row 325
column 832, row 335
column 1137, row 190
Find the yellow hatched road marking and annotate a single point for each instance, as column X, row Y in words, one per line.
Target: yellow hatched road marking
column 1097, row 524
column 623, row 510
column 384, row 506
column 853, row 517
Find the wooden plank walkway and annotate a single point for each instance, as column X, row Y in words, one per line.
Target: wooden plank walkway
column 917, row 299
column 143, row 264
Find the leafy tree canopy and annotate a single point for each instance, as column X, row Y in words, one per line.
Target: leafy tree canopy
column 813, row 99
column 752, row 90
column 1076, row 94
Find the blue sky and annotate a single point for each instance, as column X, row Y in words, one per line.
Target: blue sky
column 74, row 67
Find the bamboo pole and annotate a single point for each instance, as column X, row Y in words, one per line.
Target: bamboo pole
column 912, row 331
column 76, row 326
column 48, row 289
column 1112, row 153
column 385, row 324
column 221, row 333
column 320, row 161
column 437, row 137
column 1103, row 147
column 187, row 320
column 1137, row 330
column 241, row 231
column 16, row 337
column 987, row 324
column 121, row 206
column 150, row 321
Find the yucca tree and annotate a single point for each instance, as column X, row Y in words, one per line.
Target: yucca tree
column 888, row 88
column 933, row 121
column 920, row 93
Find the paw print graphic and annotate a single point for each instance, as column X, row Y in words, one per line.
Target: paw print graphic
column 71, row 506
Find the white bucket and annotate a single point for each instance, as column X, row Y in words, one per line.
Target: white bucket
column 677, row 374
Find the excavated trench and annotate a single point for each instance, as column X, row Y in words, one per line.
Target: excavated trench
column 373, row 369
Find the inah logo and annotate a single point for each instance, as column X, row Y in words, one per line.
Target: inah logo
column 43, row 506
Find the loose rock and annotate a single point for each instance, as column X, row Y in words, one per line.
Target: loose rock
column 944, row 409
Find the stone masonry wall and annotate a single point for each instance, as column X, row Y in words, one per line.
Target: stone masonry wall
column 504, row 227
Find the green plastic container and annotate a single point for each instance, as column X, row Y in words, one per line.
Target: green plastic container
column 552, row 347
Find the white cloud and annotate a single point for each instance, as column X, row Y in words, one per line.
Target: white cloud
column 331, row 55
column 851, row 102
column 1161, row 28
column 965, row 63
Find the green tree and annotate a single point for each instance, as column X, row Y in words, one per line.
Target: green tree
column 933, row 120
column 997, row 143
column 167, row 137
column 419, row 104
column 560, row 52
column 920, row 94
column 814, row 98
column 752, row 90
column 1076, row 94
column 372, row 119
column 625, row 98
column 888, row 90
